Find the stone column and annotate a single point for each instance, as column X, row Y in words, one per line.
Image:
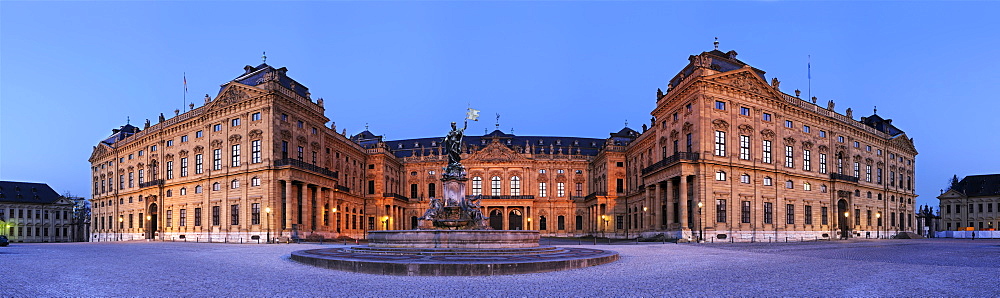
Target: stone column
column 656, row 207
column 683, row 200
column 288, row 204
column 670, row 203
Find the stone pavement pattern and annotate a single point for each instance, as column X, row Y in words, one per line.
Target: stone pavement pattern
column 931, row 267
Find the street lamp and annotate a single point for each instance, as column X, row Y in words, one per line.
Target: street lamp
column 268, row 211
column 529, row 223
column 605, row 230
column 847, row 216
column 701, row 223
column 121, row 225
column 878, row 218
column 149, row 228
column 385, row 221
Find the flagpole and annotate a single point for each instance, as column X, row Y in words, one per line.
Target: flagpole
column 185, row 91
column 809, row 75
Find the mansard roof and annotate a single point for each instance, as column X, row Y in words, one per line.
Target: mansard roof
column 979, row 185
column 121, row 133
column 719, row 61
column 537, row 144
column 884, row 125
column 253, row 76
column 27, row 192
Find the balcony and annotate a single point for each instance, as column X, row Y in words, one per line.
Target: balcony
column 295, row 163
column 693, row 156
column 526, row 197
column 395, row 196
column 342, row 188
column 595, row 195
column 156, row 182
column 848, row 178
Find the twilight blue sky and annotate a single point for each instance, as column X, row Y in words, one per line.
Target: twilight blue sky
column 72, row 71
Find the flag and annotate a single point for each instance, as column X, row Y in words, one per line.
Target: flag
column 809, row 68
column 185, row 83
column 472, row 114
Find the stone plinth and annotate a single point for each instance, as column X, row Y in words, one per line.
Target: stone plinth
column 453, row 238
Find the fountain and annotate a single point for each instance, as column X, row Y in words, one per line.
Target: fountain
column 453, row 239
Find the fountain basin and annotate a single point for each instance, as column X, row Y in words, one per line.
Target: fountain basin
column 453, row 239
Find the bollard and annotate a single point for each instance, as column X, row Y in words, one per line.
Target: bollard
column 241, row 240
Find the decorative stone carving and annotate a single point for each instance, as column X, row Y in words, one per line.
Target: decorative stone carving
column 285, row 134
column 767, row 134
column 216, row 143
column 235, row 138
column 314, row 145
column 807, row 145
column 687, row 127
column 823, row 148
column 720, row 124
column 789, row 141
column 302, row 140
column 255, row 134
column 183, row 153
column 746, row 129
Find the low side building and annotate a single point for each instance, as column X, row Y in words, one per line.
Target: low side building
column 973, row 204
column 33, row 212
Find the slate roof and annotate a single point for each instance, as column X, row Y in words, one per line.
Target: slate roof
column 27, row 192
column 121, row 133
column 721, row 61
column 254, row 76
column 880, row 124
column 979, row 185
column 538, row 144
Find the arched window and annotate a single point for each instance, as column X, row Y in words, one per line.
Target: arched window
column 255, row 181
column 869, row 195
column 720, row 176
column 495, row 185
column 857, row 193
column 767, row 181
column 822, row 188
column 170, row 193
column 184, row 191
column 477, row 185
column 235, row 183
column 216, row 186
column 197, row 189
column 789, row 184
column 807, row 186
column 745, row 178
column 515, row 185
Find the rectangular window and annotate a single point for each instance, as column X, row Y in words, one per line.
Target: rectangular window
column 744, row 147
column 217, row 127
column 789, row 161
column 217, row 159
column 141, row 219
column 170, row 170
column 720, row 210
column 824, row 216
column 857, row 170
column 542, row 190
column 255, row 116
column 561, row 189
column 808, row 214
column 822, row 163
column 255, row 151
column 745, row 212
column 371, row 187
column 184, row 166
column 868, row 173
column 284, row 149
column 169, row 217
column 868, row 218
column 198, row 164
column 121, row 181
column 766, row 117
column 840, row 139
column 236, row 155
column 720, row 105
column 234, row 211
column 197, row 217
column 789, row 214
column 141, row 172
column 768, row 213
column 477, row 186
column 198, row 134
column 806, row 160
column 805, row 128
column 720, row 143
column 579, row 189
column 255, row 214
column 170, row 143
column 766, row 152
column 184, row 139
column 789, row 124
column 152, row 148
column 131, row 220
column 183, row 218
column 745, row 111
column 300, row 153
column 215, row 215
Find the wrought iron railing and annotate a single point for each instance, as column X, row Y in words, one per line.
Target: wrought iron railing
column 395, row 196
column 670, row 160
column 342, row 188
column 305, row 166
column 156, row 182
column 524, row 197
column 596, row 194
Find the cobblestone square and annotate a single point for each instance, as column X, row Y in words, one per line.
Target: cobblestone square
column 930, row 267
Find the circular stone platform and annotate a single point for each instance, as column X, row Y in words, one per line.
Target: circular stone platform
column 453, row 253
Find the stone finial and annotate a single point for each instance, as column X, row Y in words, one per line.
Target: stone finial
column 798, row 92
column 147, row 124
column 177, row 112
column 775, row 83
column 829, row 105
column 333, row 126
column 644, row 128
column 191, row 106
column 161, row 117
column 319, row 101
column 850, row 113
column 207, row 99
column 659, row 93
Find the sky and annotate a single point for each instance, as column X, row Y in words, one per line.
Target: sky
column 72, row 71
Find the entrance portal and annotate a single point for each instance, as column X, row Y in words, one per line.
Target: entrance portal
column 151, row 227
column 496, row 219
column 515, row 220
column 843, row 218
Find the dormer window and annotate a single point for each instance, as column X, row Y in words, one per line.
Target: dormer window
column 558, row 142
column 400, row 145
column 540, row 142
column 576, row 143
column 433, row 143
column 483, row 142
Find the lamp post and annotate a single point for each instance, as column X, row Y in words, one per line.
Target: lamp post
column 701, row 221
column 385, row 222
column 268, row 211
column 149, row 228
column 605, row 230
column 878, row 218
column 529, row 223
column 121, row 224
column 847, row 216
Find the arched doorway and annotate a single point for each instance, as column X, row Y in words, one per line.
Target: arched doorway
column 845, row 225
column 515, row 220
column 496, row 219
column 151, row 228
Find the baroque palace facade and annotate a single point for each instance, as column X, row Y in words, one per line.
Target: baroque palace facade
column 726, row 155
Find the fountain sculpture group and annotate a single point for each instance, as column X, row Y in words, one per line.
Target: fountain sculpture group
column 453, row 239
